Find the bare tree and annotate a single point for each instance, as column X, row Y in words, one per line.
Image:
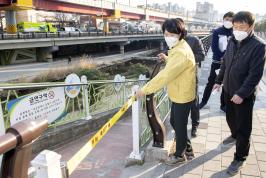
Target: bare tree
column 76, row 20
column 62, row 18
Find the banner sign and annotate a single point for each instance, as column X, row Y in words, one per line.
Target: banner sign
column 46, row 104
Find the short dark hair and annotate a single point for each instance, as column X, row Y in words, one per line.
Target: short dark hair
column 244, row 17
column 229, row 14
column 174, row 26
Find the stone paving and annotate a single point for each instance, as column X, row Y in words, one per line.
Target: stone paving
column 212, row 158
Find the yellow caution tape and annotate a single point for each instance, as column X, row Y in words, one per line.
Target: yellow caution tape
column 73, row 163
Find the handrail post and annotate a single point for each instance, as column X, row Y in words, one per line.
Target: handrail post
column 2, row 127
column 136, row 154
column 85, row 97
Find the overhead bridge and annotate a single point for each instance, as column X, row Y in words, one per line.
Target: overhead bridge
column 40, row 46
column 47, row 40
column 36, row 40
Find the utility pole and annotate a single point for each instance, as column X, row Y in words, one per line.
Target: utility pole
column 169, row 9
column 102, row 8
column 146, row 5
column 146, row 13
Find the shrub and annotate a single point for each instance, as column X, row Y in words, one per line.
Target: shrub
column 136, row 69
column 93, row 74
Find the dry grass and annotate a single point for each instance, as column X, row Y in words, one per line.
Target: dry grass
column 59, row 74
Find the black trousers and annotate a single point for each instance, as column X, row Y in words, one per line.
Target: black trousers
column 179, row 121
column 209, row 85
column 239, row 120
column 194, row 113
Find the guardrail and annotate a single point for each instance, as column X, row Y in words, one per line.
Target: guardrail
column 33, row 35
column 206, row 42
column 261, row 35
column 95, row 94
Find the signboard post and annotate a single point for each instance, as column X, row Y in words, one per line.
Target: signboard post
column 85, row 97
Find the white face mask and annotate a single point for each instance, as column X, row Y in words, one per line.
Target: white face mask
column 240, row 35
column 171, row 41
column 228, row 24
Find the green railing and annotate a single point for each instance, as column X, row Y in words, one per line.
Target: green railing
column 103, row 96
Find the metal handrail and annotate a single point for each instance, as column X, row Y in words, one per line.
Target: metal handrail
column 59, row 84
column 34, row 35
column 16, row 145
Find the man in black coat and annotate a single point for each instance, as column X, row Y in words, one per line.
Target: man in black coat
column 198, row 51
column 240, row 73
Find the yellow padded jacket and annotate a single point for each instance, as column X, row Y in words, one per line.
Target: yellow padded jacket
column 179, row 75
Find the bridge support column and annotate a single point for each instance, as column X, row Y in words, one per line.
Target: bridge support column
column 122, row 48
column 107, row 48
column 11, row 23
column 45, row 54
column 148, row 46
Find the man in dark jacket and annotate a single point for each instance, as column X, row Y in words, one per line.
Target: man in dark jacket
column 240, row 73
column 220, row 38
column 198, row 51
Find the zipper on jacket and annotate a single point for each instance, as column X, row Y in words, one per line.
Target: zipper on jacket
column 235, row 55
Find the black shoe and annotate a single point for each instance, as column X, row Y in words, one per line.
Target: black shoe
column 173, row 160
column 202, row 104
column 223, row 108
column 235, row 167
column 189, row 155
column 194, row 132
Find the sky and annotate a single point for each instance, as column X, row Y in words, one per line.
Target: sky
column 254, row 6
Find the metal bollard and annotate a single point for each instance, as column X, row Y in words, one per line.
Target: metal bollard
column 64, row 170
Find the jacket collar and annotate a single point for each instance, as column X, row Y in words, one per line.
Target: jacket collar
column 230, row 30
column 178, row 43
column 243, row 42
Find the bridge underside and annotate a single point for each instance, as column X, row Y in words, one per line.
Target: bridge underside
column 70, row 8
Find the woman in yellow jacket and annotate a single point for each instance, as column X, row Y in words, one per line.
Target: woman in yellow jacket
column 179, row 77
